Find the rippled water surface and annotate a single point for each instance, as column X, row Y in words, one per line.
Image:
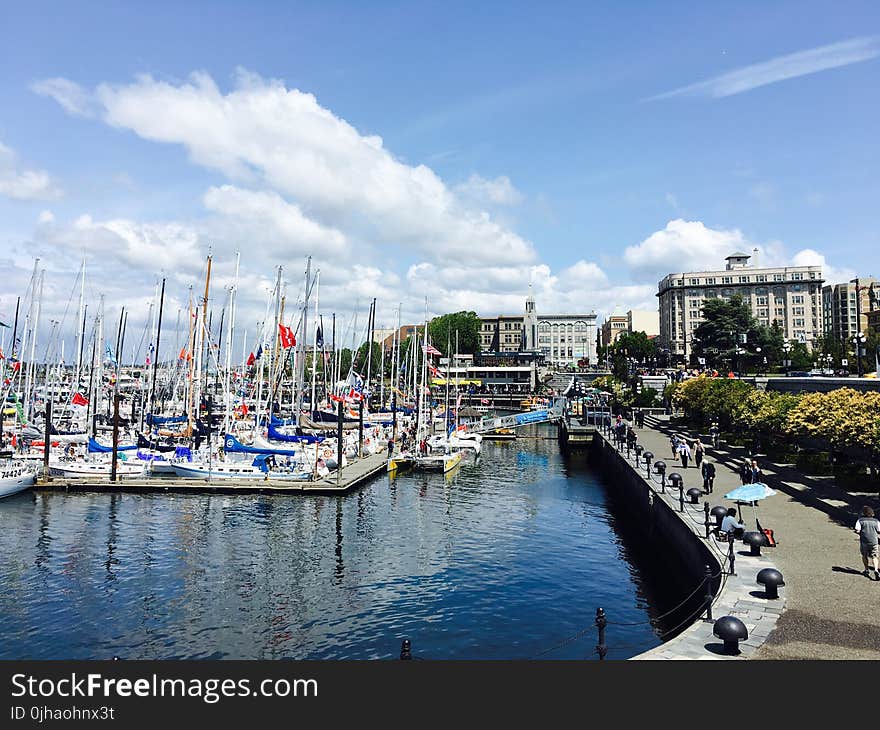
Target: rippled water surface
column 505, row 559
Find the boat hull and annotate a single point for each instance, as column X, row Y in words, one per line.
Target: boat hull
column 10, row 485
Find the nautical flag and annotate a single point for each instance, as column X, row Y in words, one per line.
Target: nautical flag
column 484, row 401
column 319, row 337
column 149, row 354
column 435, row 372
column 431, row 350
column 2, row 356
column 78, row 400
column 109, row 354
column 287, row 338
column 16, row 365
column 259, row 352
column 251, row 359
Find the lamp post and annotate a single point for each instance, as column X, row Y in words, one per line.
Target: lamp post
column 786, row 348
column 859, row 340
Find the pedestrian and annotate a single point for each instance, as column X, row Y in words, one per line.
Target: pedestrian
column 390, row 447
column 868, row 527
column 745, row 472
column 714, row 431
column 685, row 453
column 673, row 442
column 708, row 472
column 757, row 474
column 699, row 452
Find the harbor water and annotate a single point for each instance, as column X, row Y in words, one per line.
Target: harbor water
column 507, row 557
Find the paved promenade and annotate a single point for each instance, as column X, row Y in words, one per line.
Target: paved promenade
column 832, row 610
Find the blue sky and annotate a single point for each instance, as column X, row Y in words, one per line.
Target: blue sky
column 595, row 139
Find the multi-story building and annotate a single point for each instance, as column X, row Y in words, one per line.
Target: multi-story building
column 562, row 339
column 841, row 310
column 789, row 295
column 613, row 327
column 643, row 321
column 503, row 333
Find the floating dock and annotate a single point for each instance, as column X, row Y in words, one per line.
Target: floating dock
column 356, row 474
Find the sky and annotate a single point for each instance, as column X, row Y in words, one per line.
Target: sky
column 443, row 155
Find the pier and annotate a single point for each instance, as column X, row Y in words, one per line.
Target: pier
column 356, row 474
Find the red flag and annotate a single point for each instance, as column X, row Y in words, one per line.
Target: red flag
column 78, row 400
column 16, row 366
column 287, row 338
column 2, row 356
column 251, row 359
column 484, row 401
column 431, row 350
column 182, row 355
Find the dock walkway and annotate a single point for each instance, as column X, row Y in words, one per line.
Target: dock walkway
column 831, row 608
column 357, row 473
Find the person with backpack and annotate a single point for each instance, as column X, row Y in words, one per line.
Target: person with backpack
column 868, row 528
column 708, row 472
column 745, row 472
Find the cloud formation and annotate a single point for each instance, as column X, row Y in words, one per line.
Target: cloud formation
column 781, row 68
column 21, row 184
column 261, row 131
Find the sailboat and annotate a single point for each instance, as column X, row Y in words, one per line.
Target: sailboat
column 15, row 477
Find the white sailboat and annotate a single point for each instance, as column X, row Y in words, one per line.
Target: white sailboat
column 15, row 477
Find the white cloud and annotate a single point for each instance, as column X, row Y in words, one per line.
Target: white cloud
column 277, row 225
column 71, row 96
column 46, row 216
column 499, row 191
column 683, row 246
column 782, row 68
column 24, row 184
column 831, row 274
column 283, row 138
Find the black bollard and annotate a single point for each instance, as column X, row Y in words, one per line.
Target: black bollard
column 694, row 495
column 709, row 595
column 601, row 622
column 719, row 513
column 405, row 650
column 676, row 481
column 771, row 579
column 639, row 449
column 648, row 457
column 731, row 631
column 660, row 468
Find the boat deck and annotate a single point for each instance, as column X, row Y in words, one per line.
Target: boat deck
column 357, row 473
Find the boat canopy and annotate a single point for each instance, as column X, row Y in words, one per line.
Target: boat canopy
column 96, row 448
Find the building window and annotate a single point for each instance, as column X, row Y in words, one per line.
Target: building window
column 710, row 280
column 797, row 276
column 727, row 280
column 744, row 280
column 761, row 277
column 694, row 282
column 778, row 277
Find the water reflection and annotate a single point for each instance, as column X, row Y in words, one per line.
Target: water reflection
column 501, row 558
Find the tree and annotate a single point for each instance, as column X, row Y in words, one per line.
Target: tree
column 635, row 345
column 727, row 326
column 442, row 330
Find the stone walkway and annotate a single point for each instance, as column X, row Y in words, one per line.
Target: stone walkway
column 832, row 610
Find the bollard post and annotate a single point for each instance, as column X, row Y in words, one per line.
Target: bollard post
column 601, row 621
column 681, row 496
column 405, row 650
column 709, row 595
column 730, row 556
column 706, row 510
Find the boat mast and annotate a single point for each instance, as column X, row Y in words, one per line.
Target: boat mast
column 152, row 400
column 229, row 335
column 301, row 347
column 313, row 401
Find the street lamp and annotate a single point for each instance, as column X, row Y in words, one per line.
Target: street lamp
column 786, row 348
column 859, row 340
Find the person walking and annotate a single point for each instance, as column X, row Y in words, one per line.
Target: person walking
column 714, row 431
column 745, row 472
column 868, row 528
column 708, row 472
column 699, row 452
column 673, row 442
column 757, row 474
column 685, row 453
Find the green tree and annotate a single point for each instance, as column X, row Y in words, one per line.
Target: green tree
column 635, row 345
column 727, row 326
column 442, row 330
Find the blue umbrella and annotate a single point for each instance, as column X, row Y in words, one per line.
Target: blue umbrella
column 750, row 492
